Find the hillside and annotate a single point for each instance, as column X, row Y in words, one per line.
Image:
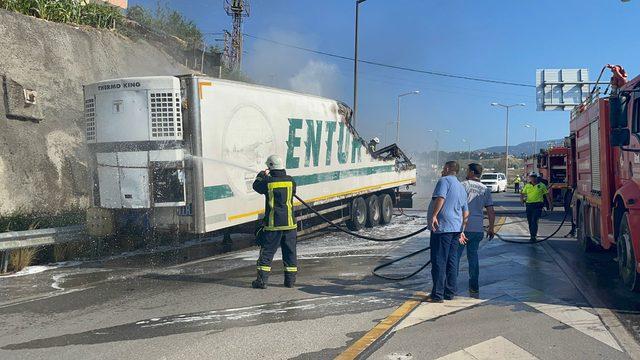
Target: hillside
column 522, row 148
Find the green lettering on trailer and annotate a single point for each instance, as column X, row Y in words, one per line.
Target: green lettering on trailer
column 293, row 162
column 331, row 129
column 302, row 180
column 343, row 145
column 217, row 192
column 355, row 151
column 312, row 145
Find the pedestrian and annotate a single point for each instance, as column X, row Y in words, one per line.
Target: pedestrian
column 279, row 224
column 448, row 214
column 533, row 194
column 479, row 199
column 516, row 184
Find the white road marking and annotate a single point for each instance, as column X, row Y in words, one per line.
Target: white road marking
column 497, row 348
column 429, row 311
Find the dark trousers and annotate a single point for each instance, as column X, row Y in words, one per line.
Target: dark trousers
column 444, row 264
column 534, row 211
column 269, row 242
column 517, row 188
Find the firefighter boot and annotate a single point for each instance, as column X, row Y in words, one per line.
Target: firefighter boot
column 261, row 281
column 289, row 279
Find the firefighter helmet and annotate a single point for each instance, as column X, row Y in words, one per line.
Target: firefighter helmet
column 274, row 162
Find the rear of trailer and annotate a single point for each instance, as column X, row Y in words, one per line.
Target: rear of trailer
column 181, row 154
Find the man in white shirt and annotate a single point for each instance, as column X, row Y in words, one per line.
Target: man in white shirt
column 479, row 198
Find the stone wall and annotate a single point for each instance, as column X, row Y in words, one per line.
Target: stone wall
column 42, row 145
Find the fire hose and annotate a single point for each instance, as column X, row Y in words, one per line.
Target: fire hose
column 403, row 237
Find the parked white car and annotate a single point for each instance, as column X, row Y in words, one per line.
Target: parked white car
column 495, row 181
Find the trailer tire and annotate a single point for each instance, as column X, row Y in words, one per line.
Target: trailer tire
column 627, row 266
column 585, row 242
column 373, row 211
column 386, row 208
column 358, row 214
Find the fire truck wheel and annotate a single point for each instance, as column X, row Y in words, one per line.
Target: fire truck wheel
column 373, row 211
column 626, row 257
column 586, row 244
column 358, row 214
column 386, row 208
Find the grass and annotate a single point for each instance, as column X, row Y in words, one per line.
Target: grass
column 21, row 258
column 80, row 12
column 21, row 219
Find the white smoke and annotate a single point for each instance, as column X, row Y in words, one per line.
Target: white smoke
column 284, row 67
column 316, row 77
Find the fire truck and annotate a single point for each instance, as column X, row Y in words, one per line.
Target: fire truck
column 605, row 146
column 555, row 165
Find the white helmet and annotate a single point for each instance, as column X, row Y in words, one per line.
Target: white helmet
column 274, row 162
column 376, row 140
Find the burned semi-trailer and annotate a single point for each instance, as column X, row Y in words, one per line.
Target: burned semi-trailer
column 180, row 154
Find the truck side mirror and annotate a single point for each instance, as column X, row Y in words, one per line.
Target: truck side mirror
column 620, row 137
column 618, row 110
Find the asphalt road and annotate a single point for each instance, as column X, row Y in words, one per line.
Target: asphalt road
column 205, row 309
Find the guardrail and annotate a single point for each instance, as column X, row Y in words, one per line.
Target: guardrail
column 41, row 237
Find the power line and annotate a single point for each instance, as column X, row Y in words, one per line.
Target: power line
column 396, row 67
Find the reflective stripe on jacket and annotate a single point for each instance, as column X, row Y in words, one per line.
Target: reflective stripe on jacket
column 278, row 189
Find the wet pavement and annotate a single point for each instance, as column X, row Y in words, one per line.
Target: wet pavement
column 528, row 306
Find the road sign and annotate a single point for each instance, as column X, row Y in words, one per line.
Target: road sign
column 561, row 89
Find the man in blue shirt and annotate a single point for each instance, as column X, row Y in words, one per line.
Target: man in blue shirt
column 448, row 217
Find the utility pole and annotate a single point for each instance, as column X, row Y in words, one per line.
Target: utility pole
column 355, row 67
column 237, row 9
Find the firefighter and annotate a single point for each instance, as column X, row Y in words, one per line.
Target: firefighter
column 279, row 224
column 516, row 184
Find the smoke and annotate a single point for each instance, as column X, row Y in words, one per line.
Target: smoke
column 278, row 66
column 316, row 77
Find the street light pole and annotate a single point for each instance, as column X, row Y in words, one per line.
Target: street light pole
column 535, row 136
column 468, row 149
column 415, row 92
column 438, row 144
column 355, row 67
column 506, row 135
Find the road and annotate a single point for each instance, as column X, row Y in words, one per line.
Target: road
column 528, row 308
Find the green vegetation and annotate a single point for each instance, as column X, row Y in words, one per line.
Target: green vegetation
column 23, row 220
column 167, row 20
column 80, row 12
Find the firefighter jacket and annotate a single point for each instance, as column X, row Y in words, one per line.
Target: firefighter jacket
column 278, row 188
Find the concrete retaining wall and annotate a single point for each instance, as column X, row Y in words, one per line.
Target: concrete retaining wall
column 43, row 162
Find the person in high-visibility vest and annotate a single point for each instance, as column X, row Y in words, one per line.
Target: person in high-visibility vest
column 516, row 184
column 534, row 194
column 279, row 227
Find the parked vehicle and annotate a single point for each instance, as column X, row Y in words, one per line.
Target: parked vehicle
column 555, row 165
column 180, row 154
column 495, row 181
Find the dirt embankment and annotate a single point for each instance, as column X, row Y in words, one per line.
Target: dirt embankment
column 43, row 163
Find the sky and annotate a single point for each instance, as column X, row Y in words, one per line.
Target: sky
column 492, row 39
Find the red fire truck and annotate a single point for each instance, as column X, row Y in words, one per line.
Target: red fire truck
column 555, row 165
column 605, row 146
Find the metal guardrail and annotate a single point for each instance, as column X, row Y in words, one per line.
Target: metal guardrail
column 40, row 237
column 33, row 238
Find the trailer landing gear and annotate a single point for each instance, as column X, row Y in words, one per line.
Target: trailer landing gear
column 626, row 257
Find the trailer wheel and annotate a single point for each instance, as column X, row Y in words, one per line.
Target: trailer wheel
column 386, row 209
column 373, row 211
column 626, row 256
column 358, row 214
column 585, row 242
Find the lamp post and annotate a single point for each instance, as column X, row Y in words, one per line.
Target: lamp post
column 415, row 92
column 535, row 136
column 438, row 143
column 468, row 149
column 506, row 135
column 355, row 67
